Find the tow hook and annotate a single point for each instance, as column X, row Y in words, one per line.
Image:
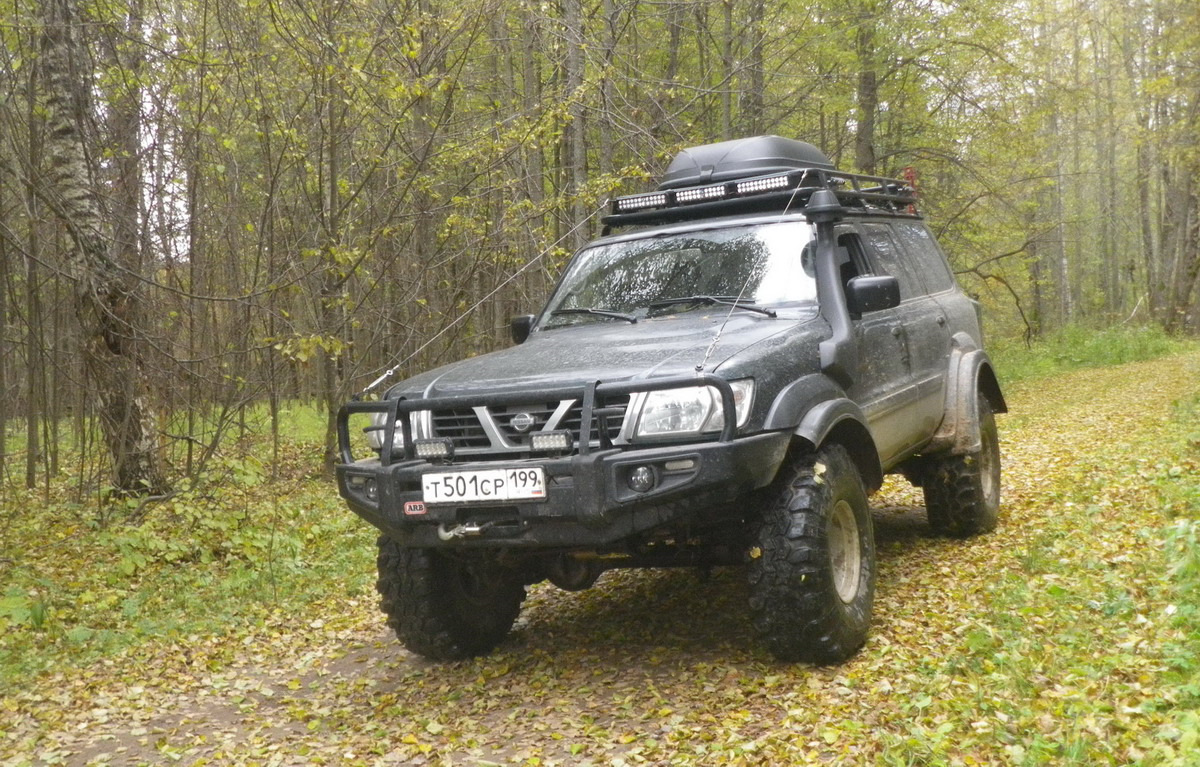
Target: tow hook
column 466, row 530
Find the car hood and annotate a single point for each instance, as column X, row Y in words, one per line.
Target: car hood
column 607, row 351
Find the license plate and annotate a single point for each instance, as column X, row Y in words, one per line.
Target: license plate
column 486, row 485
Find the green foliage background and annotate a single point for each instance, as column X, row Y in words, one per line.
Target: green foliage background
column 329, row 189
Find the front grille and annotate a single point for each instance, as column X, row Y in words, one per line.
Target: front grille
column 462, row 427
column 572, row 422
column 504, row 435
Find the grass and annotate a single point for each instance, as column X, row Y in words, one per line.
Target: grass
column 80, row 582
column 1076, row 347
column 1178, row 485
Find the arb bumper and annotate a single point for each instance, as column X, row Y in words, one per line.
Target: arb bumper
column 598, row 494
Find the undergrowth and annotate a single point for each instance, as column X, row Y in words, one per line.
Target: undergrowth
column 80, row 582
column 1076, row 347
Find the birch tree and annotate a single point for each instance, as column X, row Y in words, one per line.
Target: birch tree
column 107, row 297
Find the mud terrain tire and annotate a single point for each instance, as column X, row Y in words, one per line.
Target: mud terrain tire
column 962, row 492
column 446, row 606
column 812, row 560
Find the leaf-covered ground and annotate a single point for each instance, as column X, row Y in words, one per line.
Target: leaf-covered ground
column 1049, row 641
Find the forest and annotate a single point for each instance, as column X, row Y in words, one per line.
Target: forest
column 222, row 219
column 212, row 207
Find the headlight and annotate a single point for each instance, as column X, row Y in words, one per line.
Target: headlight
column 421, row 425
column 692, row 410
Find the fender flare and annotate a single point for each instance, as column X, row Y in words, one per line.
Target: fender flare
column 842, row 421
column 970, row 374
column 796, row 399
column 816, row 410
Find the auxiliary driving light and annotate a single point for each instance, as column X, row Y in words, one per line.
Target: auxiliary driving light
column 371, row 490
column 641, row 479
column 700, row 194
column 550, row 441
column 763, row 184
column 434, row 449
column 641, row 202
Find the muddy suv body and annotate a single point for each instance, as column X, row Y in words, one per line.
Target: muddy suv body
column 721, row 379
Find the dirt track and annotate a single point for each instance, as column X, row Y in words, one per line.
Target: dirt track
column 975, row 656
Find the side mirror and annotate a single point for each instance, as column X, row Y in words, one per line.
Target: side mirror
column 520, row 327
column 872, row 293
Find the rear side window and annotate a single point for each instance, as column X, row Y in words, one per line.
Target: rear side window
column 923, row 252
column 888, row 259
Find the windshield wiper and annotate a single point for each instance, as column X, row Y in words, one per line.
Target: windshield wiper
column 596, row 313
column 740, row 303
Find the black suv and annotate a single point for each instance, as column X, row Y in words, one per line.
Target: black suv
column 720, row 379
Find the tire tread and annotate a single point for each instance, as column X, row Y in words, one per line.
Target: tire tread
column 413, row 596
column 790, row 579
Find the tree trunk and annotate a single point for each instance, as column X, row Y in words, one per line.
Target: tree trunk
column 756, row 98
column 727, row 71
column 868, row 92
column 107, row 299
column 4, row 398
column 575, row 155
column 1184, row 260
column 34, row 364
column 605, row 122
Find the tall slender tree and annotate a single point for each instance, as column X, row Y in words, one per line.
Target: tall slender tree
column 107, row 290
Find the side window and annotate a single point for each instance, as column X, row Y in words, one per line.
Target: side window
column 925, row 255
column 888, row 259
column 853, row 258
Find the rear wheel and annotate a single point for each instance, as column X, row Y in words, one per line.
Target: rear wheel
column 962, row 492
column 812, row 562
column 447, row 606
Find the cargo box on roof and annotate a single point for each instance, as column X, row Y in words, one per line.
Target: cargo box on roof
column 741, row 158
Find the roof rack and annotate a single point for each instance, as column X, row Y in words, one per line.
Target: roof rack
column 777, row 191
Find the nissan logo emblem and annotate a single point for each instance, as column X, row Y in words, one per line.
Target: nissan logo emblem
column 521, row 422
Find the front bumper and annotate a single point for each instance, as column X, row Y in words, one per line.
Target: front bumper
column 588, row 499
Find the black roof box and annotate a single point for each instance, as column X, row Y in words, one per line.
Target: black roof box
column 741, row 158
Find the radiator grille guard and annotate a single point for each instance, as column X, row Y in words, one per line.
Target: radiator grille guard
column 498, row 426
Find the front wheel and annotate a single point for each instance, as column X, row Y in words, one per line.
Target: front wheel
column 812, row 562
column 962, row 492
column 447, row 606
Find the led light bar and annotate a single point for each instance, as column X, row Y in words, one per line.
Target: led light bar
column 550, row 441
column 862, row 191
column 433, row 449
column 700, row 194
column 641, row 202
column 763, row 184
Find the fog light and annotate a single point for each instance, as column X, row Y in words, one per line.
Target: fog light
column 641, row 479
column 371, row 490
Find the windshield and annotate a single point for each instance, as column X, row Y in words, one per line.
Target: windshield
column 760, row 264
